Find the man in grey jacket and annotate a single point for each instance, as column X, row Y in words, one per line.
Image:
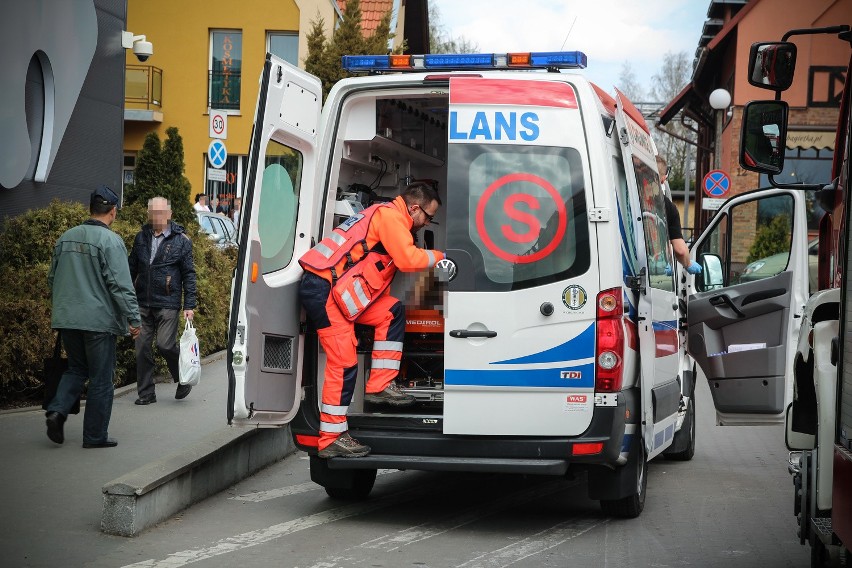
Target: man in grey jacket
column 93, row 302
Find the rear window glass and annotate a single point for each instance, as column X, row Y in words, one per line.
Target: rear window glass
column 519, row 212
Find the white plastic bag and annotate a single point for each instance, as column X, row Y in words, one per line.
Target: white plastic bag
column 190, row 361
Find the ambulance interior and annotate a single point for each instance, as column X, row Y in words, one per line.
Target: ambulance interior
column 383, row 143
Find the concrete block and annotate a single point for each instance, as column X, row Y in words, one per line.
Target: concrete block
column 158, row 490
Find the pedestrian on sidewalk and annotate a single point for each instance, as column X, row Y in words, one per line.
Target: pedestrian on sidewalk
column 163, row 273
column 92, row 302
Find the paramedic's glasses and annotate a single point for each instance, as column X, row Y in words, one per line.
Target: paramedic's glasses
column 429, row 218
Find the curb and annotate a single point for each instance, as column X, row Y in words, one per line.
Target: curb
column 157, row 490
column 120, row 391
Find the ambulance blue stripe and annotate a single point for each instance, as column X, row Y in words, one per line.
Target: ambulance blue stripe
column 579, row 347
column 659, row 439
column 664, row 325
column 625, row 442
column 521, row 378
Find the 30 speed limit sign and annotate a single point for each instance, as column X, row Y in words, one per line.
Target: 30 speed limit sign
column 218, row 124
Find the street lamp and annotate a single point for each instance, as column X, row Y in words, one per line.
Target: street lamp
column 719, row 100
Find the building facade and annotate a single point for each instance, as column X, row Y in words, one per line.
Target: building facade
column 721, row 62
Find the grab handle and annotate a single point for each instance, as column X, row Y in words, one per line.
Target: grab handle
column 464, row 333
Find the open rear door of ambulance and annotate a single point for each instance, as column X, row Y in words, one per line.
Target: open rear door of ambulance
column 656, row 301
column 519, row 335
column 264, row 338
column 747, row 305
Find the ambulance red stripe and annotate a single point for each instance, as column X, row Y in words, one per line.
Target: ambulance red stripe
column 469, row 90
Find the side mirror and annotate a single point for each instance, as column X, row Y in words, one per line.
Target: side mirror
column 712, row 276
column 771, row 65
column 763, row 136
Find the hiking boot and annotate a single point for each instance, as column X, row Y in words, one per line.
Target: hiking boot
column 392, row 395
column 345, row 446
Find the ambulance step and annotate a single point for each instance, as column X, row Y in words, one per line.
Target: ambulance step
column 541, row 467
column 823, row 529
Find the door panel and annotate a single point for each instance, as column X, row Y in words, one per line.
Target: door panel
column 657, row 318
column 264, row 363
column 743, row 318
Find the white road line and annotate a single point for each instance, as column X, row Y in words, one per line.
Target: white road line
column 260, row 496
column 535, row 544
column 396, row 540
column 261, row 536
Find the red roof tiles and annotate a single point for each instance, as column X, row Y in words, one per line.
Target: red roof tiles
column 372, row 12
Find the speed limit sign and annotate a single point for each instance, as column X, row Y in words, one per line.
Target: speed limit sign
column 218, row 124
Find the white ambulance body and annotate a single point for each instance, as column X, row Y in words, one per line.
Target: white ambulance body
column 549, row 340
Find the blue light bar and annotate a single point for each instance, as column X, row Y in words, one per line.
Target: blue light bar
column 551, row 60
column 355, row 63
column 454, row 60
column 563, row 59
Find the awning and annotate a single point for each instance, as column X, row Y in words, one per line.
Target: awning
column 820, row 140
column 676, row 104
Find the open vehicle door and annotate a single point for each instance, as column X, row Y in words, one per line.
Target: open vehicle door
column 656, row 302
column 747, row 304
column 264, row 338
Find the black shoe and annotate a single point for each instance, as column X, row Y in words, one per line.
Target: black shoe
column 55, row 423
column 392, row 395
column 147, row 399
column 108, row 443
column 182, row 391
column 345, row 446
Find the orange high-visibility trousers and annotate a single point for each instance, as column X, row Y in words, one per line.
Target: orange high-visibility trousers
column 337, row 337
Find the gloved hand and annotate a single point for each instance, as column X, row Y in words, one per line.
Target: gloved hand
column 694, row 268
column 668, row 270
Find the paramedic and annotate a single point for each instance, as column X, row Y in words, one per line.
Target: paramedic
column 384, row 233
column 681, row 251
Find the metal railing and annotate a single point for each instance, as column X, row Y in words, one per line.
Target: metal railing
column 223, row 90
column 143, row 84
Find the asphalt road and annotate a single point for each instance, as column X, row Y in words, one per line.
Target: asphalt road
column 731, row 507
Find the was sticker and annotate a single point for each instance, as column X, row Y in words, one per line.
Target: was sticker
column 576, row 403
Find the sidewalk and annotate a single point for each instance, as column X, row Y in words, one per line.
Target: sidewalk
column 50, row 495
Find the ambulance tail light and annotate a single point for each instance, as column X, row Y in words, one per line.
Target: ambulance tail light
column 609, row 350
column 587, row 448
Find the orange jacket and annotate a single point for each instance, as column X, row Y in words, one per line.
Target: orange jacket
column 391, row 226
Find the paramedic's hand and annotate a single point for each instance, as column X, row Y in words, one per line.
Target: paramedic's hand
column 694, row 268
column 668, row 270
column 187, row 315
column 134, row 331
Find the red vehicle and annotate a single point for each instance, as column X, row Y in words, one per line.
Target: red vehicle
column 819, row 418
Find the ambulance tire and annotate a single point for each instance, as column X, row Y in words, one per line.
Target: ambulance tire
column 359, row 487
column 631, row 506
column 685, row 437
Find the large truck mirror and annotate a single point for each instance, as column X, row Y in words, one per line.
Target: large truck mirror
column 771, row 65
column 763, row 136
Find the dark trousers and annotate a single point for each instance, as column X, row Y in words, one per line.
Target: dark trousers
column 91, row 357
column 162, row 323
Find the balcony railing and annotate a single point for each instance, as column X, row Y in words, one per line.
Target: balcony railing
column 223, row 90
column 143, row 85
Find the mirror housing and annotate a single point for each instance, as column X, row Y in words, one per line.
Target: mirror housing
column 763, row 136
column 771, row 65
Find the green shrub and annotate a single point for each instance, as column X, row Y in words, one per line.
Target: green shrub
column 26, row 248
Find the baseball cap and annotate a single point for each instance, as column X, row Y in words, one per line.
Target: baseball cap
column 104, row 196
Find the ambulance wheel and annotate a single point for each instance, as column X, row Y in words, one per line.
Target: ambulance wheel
column 359, row 486
column 631, row 506
column 684, row 439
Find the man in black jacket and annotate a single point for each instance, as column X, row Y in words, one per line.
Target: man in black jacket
column 163, row 274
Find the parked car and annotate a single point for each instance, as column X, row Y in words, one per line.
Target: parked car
column 777, row 263
column 218, row 227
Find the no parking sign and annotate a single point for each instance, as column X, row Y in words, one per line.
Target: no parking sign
column 716, row 184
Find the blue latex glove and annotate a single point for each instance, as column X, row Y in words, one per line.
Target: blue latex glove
column 694, row 268
column 668, row 270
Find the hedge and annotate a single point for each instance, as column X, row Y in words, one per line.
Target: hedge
column 26, row 247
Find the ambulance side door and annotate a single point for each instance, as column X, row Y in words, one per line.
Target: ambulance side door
column 264, row 336
column 657, row 313
column 746, row 307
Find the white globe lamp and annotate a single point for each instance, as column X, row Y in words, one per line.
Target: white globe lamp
column 720, row 99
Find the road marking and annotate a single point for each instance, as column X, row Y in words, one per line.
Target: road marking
column 411, row 535
column 536, row 544
column 260, row 496
column 262, row 536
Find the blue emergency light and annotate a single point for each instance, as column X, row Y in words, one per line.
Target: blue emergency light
column 552, row 60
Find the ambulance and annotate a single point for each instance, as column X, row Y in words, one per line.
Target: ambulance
column 549, row 341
